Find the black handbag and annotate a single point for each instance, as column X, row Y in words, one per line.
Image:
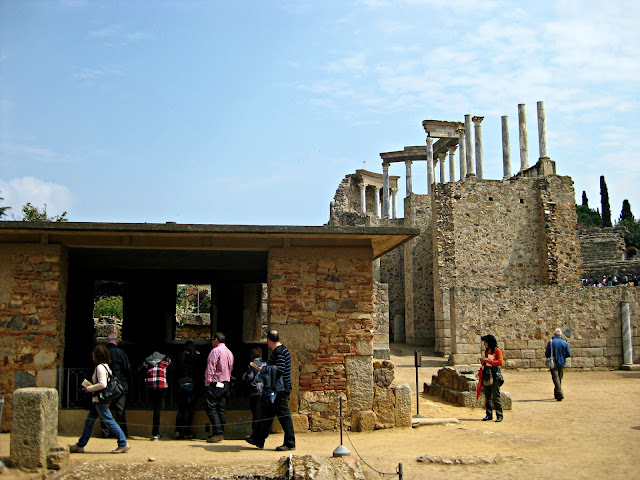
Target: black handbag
column 113, row 390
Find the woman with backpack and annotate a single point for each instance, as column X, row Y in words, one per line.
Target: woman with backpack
column 255, row 385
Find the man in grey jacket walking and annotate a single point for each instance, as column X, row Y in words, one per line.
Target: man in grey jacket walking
column 559, row 348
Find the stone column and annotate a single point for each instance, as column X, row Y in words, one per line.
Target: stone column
column 363, row 197
column 429, row 164
column 478, row 134
column 441, row 157
column 407, row 164
column 385, row 190
column 506, row 149
column 524, row 145
column 468, row 146
column 394, row 202
column 452, row 164
column 542, row 132
column 463, row 157
column 627, row 333
column 377, row 200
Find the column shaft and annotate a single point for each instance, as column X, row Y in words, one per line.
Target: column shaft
column 377, row 200
column 385, row 190
column 394, row 202
column 441, row 158
column 363, row 197
column 429, row 164
column 478, row 134
column 506, row 149
column 452, row 164
column 462, row 154
column 524, row 144
column 468, row 145
column 542, row 131
column 407, row 164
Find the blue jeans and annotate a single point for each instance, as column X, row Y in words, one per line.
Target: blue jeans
column 186, row 404
column 102, row 411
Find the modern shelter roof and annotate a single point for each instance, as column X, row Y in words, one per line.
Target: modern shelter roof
column 175, row 236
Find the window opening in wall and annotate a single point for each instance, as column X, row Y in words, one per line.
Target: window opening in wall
column 521, row 200
column 195, row 317
column 108, row 309
column 491, row 199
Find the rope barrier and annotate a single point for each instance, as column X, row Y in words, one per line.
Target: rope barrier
column 384, row 474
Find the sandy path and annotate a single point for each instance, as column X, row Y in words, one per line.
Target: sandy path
column 593, row 433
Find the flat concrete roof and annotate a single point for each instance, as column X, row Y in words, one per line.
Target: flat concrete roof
column 168, row 236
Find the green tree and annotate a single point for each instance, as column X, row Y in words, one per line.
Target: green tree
column 3, row 210
column 632, row 239
column 585, row 200
column 31, row 213
column 587, row 217
column 626, row 211
column 604, row 199
column 108, row 307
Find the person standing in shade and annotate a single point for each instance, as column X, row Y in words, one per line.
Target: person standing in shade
column 491, row 377
column 277, row 367
column 186, row 392
column 121, row 368
column 216, row 380
column 559, row 348
column 256, row 386
column 157, row 365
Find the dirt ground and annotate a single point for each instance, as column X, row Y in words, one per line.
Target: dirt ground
column 593, row 433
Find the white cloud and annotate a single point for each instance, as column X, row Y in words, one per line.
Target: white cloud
column 20, row 191
column 89, row 76
column 117, row 36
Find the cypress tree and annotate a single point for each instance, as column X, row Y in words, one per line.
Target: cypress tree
column 604, row 199
column 626, row 211
column 585, row 200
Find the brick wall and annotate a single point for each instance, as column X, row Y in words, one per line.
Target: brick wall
column 321, row 301
column 33, row 287
column 523, row 320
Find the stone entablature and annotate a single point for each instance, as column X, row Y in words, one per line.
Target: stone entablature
column 523, row 320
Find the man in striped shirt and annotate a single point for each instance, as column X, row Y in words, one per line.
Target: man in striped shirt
column 280, row 361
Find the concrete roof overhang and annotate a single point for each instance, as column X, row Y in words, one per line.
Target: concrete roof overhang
column 202, row 237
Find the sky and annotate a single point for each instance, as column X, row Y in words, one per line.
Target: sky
column 252, row 112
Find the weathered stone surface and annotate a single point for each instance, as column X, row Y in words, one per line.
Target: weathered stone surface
column 306, row 337
column 383, row 377
column 384, row 408
column 58, row 458
column 402, row 392
column 359, row 383
column 364, row 421
column 34, row 426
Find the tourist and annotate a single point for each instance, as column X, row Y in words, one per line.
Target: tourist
column 275, row 397
column 491, row 377
column 101, row 373
column 216, row 380
column 256, row 387
column 156, row 365
column 186, row 392
column 559, row 348
column 121, row 368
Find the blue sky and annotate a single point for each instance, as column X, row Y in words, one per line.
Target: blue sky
column 251, row 112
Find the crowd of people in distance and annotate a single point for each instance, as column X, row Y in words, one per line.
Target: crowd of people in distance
column 612, row 280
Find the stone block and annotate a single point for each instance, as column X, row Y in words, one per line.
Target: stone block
column 382, row 353
column 364, row 421
column 517, row 363
column 359, row 383
column 402, row 392
column 34, row 427
column 300, row 337
column 47, row 378
column 58, row 458
column 384, row 407
column 582, row 362
column 528, row 354
column 300, row 423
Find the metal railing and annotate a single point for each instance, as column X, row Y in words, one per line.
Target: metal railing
column 73, row 395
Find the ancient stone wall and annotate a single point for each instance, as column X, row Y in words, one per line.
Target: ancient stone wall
column 321, row 301
column 418, row 273
column 193, row 326
column 381, row 321
column 603, row 250
column 523, row 319
column 33, row 286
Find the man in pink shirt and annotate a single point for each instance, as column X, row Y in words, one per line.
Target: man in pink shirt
column 216, row 381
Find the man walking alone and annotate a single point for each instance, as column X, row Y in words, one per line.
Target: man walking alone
column 278, row 367
column 560, row 350
column 216, row 381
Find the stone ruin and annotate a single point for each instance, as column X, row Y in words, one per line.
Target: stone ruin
column 193, row 326
column 103, row 326
column 458, row 385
